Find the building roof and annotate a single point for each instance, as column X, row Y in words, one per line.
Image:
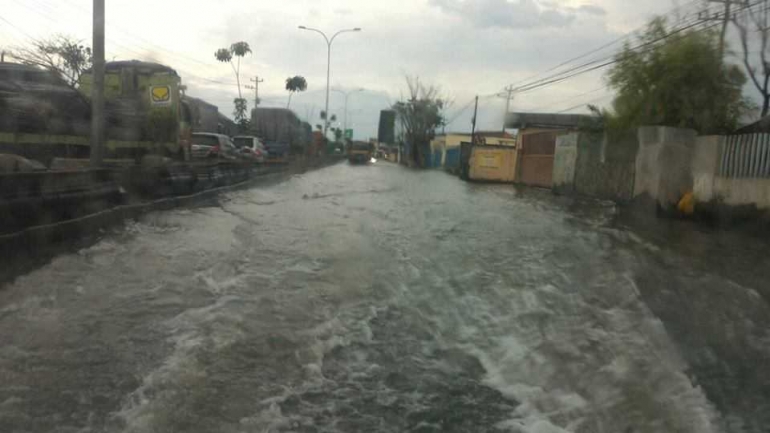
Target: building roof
column 149, row 67
column 198, row 101
column 761, row 125
column 544, row 120
column 489, row 134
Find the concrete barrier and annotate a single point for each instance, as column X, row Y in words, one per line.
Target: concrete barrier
column 663, row 164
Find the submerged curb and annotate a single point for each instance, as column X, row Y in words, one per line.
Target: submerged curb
column 39, row 236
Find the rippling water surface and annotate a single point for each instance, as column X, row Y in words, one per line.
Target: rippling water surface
column 378, row 299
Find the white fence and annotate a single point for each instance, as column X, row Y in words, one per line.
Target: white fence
column 745, row 156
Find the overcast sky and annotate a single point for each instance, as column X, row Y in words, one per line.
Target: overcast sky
column 466, row 47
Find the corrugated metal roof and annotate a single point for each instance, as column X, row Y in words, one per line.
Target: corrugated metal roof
column 544, row 120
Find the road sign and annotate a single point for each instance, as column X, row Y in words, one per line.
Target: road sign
column 160, row 95
column 349, row 134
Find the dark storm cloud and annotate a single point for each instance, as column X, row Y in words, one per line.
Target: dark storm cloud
column 507, row 14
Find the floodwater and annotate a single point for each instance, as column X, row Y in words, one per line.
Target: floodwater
column 380, row 299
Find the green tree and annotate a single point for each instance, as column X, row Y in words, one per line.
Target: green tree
column 337, row 134
column 419, row 116
column 295, row 84
column 238, row 51
column 754, row 35
column 62, row 55
column 676, row 78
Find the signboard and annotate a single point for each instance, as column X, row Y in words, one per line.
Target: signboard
column 489, row 159
column 349, row 134
column 160, row 95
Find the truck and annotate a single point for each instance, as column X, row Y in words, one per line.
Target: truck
column 144, row 110
column 360, row 152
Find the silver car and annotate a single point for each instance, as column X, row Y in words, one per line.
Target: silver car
column 250, row 147
column 209, row 145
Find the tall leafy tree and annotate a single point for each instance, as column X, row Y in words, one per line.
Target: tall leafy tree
column 419, row 116
column 295, row 84
column 754, row 31
column 233, row 56
column 62, row 55
column 676, row 78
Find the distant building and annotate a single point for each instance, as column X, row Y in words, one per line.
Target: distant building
column 536, row 143
column 445, row 148
column 281, row 125
column 387, row 128
column 205, row 116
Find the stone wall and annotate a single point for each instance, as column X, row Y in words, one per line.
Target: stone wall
column 605, row 166
column 564, row 161
column 663, row 164
column 595, row 165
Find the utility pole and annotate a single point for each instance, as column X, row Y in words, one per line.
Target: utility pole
column 508, row 95
column 2, row 57
column 97, row 87
column 725, row 17
column 475, row 113
column 256, row 80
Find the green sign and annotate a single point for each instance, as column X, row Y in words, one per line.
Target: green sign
column 349, row 134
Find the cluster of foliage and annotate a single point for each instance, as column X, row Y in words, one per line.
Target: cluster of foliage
column 678, row 79
column 233, row 56
column 295, row 84
column 754, row 31
column 419, row 116
column 61, row 55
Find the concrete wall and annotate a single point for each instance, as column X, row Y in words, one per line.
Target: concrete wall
column 742, row 192
column 564, row 162
column 595, row 165
column 606, row 165
column 705, row 165
column 709, row 186
column 663, row 164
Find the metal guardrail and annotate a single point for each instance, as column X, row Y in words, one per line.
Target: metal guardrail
column 745, row 156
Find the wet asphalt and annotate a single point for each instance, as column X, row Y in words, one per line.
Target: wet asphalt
column 382, row 299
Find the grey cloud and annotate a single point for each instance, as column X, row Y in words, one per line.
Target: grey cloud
column 592, row 10
column 507, row 14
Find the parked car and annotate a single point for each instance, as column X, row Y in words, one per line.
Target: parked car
column 209, row 145
column 277, row 152
column 250, row 147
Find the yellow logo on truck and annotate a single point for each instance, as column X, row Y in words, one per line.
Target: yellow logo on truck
column 160, row 95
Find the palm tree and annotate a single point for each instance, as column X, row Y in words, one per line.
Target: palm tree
column 225, row 55
column 294, row 84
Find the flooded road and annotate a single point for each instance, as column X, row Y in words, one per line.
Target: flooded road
column 379, row 299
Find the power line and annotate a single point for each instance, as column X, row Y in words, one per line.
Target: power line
column 27, row 35
column 124, row 47
column 557, row 78
column 543, row 107
column 607, row 45
column 583, row 104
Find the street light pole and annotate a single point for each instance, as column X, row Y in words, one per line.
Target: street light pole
column 347, row 95
column 97, row 87
column 329, row 42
